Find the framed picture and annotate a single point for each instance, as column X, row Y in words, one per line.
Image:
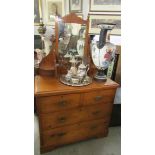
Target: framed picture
column 37, row 12
column 54, row 8
column 75, row 5
column 105, row 5
column 104, row 18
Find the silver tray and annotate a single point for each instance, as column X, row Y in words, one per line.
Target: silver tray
column 69, row 83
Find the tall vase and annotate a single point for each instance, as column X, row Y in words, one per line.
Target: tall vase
column 102, row 51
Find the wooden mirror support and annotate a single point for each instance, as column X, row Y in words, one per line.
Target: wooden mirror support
column 48, row 64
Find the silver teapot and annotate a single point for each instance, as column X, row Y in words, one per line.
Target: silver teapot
column 82, row 70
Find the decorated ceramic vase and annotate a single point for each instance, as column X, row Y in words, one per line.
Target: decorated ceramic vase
column 102, row 51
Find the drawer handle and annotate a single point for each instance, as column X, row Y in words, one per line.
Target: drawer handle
column 106, row 122
column 98, row 98
column 95, row 112
column 62, row 103
column 93, row 127
column 52, row 136
column 49, row 126
column 62, row 119
column 61, row 134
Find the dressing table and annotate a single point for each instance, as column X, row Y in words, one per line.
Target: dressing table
column 70, row 114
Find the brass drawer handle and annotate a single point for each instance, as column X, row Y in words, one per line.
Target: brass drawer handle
column 98, row 98
column 61, row 134
column 95, row 112
column 62, row 103
column 62, row 119
column 52, row 136
column 49, row 126
column 106, row 122
column 93, row 127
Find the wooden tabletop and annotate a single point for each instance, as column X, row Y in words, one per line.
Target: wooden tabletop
column 45, row 85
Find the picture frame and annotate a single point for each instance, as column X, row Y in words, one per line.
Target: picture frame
column 54, row 8
column 94, row 19
column 75, row 5
column 105, row 5
column 37, row 12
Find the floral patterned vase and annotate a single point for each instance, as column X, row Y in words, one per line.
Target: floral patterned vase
column 102, row 51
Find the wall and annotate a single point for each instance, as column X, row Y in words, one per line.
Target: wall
column 114, row 39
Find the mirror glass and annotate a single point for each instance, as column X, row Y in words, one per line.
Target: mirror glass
column 71, row 39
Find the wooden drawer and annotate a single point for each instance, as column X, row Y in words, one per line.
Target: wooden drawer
column 73, row 133
column 101, row 96
column 57, row 103
column 58, row 119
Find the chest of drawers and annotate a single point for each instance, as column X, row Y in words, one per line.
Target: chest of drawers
column 71, row 114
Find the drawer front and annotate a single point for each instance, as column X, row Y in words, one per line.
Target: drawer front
column 58, row 119
column 73, row 133
column 97, row 97
column 57, row 103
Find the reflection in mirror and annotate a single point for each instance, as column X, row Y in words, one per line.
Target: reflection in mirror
column 71, row 39
column 71, row 42
column 71, row 45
